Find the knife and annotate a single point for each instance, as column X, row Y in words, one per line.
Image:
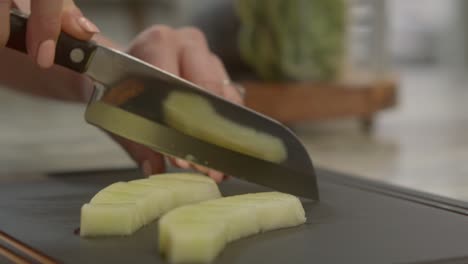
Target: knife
column 134, row 99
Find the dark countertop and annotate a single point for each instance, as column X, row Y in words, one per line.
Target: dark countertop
column 356, row 221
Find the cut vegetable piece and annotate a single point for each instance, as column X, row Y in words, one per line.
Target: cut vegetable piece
column 114, row 186
column 265, row 205
column 185, row 192
column 151, row 198
column 114, row 197
column 148, row 198
column 188, row 113
column 240, row 221
column 185, row 236
column 184, row 177
column 109, row 219
column 155, row 194
column 105, row 197
column 195, row 242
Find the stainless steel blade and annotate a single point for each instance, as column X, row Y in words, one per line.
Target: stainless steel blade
column 128, row 102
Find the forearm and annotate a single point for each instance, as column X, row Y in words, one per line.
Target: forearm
column 19, row 72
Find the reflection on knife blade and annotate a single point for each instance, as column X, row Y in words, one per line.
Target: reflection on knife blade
column 195, row 116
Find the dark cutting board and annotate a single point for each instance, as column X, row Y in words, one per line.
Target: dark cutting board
column 356, row 221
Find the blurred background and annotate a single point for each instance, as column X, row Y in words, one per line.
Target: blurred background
column 415, row 133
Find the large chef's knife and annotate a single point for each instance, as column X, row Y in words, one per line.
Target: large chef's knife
column 129, row 99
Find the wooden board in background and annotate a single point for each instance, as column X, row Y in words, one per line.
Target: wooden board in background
column 297, row 102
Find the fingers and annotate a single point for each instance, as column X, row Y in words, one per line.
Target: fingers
column 4, row 21
column 75, row 23
column 45, row 23
column 184, row 53
column 157, row 46
column 229, row 91
column 43, row 30
column 215, row 175
column 200, row 66
column 180, row 163
column 149, row 161
column 195, row 60
column 23, row 5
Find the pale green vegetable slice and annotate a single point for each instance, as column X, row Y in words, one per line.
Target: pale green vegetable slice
column 106, row 197
column 265, row 205
column 185, row 192
column 150, row 198
column 194, row 242
column 184, row 177
column 185, row 236
column 239, row 222
column 100, row 219
column 155, row 194
column 195, row 116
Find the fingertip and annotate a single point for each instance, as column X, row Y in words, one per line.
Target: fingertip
column 234, row 92
column 200, row 168
column 88, row 26
column 182, row 164
column 152, row 165
column 216, row 176
column 172, row 161
column 78, row 26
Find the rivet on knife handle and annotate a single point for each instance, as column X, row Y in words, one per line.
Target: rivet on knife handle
column 71, row 53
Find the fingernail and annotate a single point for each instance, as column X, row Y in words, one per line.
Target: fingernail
column 87, row 25
column 182, row 164
column 146, row 168
column 46, row 54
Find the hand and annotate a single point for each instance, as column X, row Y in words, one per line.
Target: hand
column 183, row 52
column 47, row 19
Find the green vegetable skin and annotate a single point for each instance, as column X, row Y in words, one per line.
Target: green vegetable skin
column 293, row 40
column 195, row 116
column 197, row 233
column 124, row 207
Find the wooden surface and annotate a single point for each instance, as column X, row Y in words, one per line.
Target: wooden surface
column 296, row 102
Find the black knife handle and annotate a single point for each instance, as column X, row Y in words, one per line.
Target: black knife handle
column 70, row 53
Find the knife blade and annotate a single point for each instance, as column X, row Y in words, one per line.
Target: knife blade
column 131, row 100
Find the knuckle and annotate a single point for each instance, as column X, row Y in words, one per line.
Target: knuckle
column 47, row 23
column 71, row 12
column 144, row 44
column 159, row 33
column 193, row 34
